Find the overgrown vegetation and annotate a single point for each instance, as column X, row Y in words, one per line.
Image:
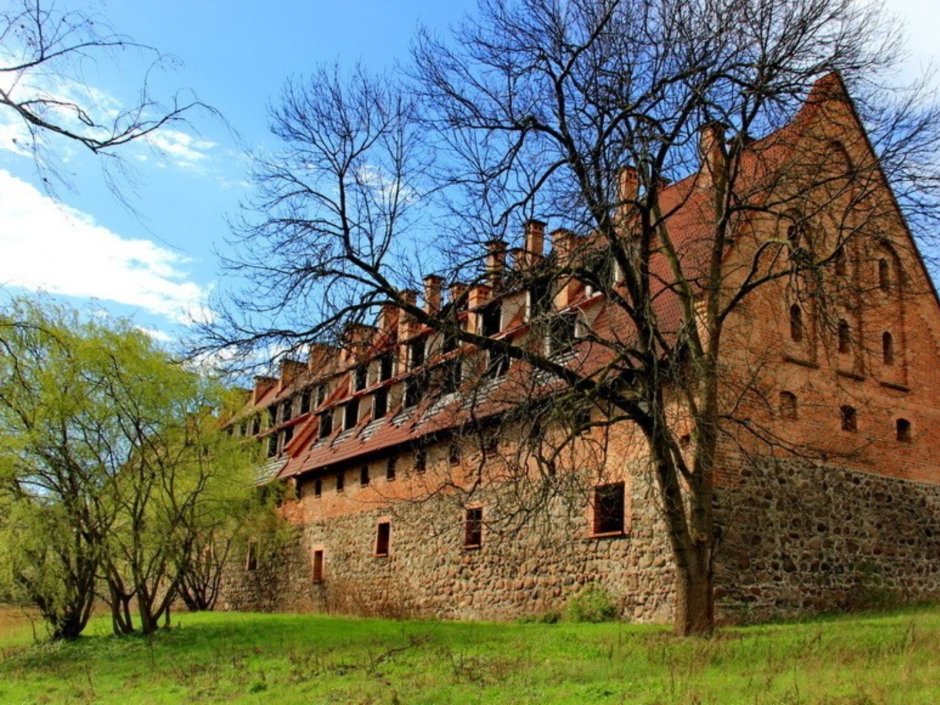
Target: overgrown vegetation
column 294, row 659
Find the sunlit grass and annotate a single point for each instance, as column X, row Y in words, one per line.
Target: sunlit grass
column 286, row 659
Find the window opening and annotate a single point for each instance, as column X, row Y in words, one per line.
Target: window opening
column 887, row 348
column 787, row 405
column 473, row 529
column 796, row 324
column 608, row 508
column 318, row 566
column 351, row 416
column 849, row 419
column 845, row 337
column 903, row 429
column 383, row 538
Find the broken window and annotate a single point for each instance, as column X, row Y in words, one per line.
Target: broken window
column 383, row 538
column 473, row 528
column 608, row 508
column 318, row 566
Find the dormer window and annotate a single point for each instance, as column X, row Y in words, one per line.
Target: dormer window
column 492, row 319
column 599, row 274
column 538, row 299
column 416, row 353
column 562, row 332
column 351, row 414
column 360, row 378
column 305, row 401
column 326, row 424
column 386, row 366
column 380, row 403
column 414, row 390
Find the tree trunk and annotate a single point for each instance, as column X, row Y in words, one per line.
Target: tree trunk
column 695, row 600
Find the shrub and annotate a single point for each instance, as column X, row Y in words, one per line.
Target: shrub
column 592, row 604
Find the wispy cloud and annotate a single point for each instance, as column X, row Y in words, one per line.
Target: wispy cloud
column 47, row 246
column 180, row 148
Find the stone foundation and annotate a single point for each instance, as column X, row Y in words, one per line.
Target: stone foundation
column 795, row 538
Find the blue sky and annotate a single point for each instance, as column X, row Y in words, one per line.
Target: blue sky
column 158, row 263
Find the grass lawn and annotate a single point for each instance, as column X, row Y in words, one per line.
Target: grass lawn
column 309, row 659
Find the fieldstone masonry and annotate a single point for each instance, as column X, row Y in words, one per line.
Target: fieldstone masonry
column 796, row 538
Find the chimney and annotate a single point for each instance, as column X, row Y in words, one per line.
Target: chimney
column 455, row 291
column 432, row 293
column 406, row 324
column 321, row 358
column 562, row 243
column 711, row 147
column 290, row 370
column 534, row 240
column 628, row 181
column 388, row 318
column 495, row 260
column 263, row 384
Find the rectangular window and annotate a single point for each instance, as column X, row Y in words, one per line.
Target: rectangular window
column 416, row 353
column 321, row 394
column 451, row 374
column 318, row 487
column 272, row 445
column 473, row 530
column 608, row 508
column 286, row 409
column 305, row 401
column 421, row 460
column 360, row 378
column 251, row 560
column 414, row 390
column 326, row 424
column 562, row 332
column 351, row 416
column 538, row 300
column 272, row 415
column 382, row 538
column 497, row 364
column 390, row 469
column 318, row 566
column 364, row 475
column 340, row 480
column 386, row 365
column 492, row 319
column 380, row 403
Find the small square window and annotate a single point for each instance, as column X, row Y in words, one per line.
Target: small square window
column 383, row 538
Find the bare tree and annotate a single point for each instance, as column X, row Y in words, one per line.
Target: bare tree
column 671, row 136
column 46, row 53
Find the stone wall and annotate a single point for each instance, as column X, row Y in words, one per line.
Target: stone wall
column 796, row 538
column 531, row 570
column 799, row 537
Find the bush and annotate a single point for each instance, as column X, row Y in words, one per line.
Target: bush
column 592, row 604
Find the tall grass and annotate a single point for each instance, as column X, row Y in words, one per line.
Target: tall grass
column 309, row 659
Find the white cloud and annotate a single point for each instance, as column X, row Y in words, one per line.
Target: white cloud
column 181, row 148
column 47, row 246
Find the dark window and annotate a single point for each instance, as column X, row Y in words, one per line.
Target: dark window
column 272, row 415
column 599, row 273
column 382, row 538
column 390, row 469
column 286, row 409
column 492, row 319
column 497, row 364
column 288, row 434
column 845, row 336
column 453, row 453
column 490, row 442
column 451, row 374
column 849, row 418
column 421, row 460
column 884, row 274
column 251, row 560
column 364, row 475
column 903, row 428
column 305, row 401
column 318, row 487
column 380, row 403
column 416, row 353
column 608, row 508
column 351, row 416
column 787, row 405
column 321, row 394
column 256, row 424
column 473, row 530
column 887, row 348
column 414, row 390
column 840, row 263
column 796, row 324
column 272, row 445
column 540, row 301
column 340, row 481
column 562, row 332
column 318, row 566
column 360, row 377
column 449, row 343
column 326, row 424
column 385, row 366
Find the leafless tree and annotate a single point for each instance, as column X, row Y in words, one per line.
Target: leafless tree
column 590, row 113
column 47, row 51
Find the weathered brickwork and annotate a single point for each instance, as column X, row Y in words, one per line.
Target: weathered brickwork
column 799, row 537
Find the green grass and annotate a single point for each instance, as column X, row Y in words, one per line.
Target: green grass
column 309, row 659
